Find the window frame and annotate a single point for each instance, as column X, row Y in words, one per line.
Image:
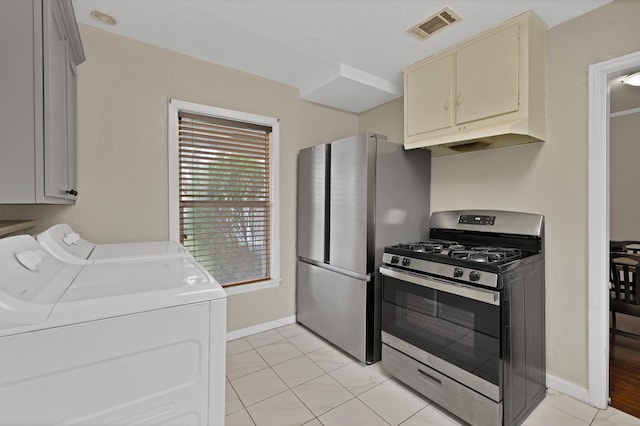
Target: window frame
column 177, row 106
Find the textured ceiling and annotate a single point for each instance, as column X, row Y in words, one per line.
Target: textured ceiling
column 347, row 54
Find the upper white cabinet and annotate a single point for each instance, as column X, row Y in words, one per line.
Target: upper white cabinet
column 483, row 93
column 40, row 46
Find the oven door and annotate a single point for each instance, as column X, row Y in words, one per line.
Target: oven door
column 451, row 327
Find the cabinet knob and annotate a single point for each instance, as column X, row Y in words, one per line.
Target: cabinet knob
column 446, row 105
column 72, row 192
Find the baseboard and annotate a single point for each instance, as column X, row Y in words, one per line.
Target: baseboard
column 567, row 388
column 243, row 332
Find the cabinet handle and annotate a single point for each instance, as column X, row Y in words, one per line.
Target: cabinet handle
column 72, row 192
column 458, row 100
column 446, row 105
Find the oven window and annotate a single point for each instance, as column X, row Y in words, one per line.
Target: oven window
column 461, row 331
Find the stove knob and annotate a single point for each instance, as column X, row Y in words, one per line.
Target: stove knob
column 394, row 259
column 474, row 275
column 457, row 272
column 406, row 261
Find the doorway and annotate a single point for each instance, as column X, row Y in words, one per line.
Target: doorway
column 600, row 76
column 624, row 208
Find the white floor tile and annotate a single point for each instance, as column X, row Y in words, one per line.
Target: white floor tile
column 308, row 342
column 278, row 352
column 241, row 418
column 577, row 409
column 284, row 409
column 268, row 374
column 613, row 417
column 237, row 346
column 357, row 378
column 258, row 386
column 291, row 330
column 329, row 358
column 378, row 368
column 545, row 415
column 297, row 371
column 392, row 402
column 264, row 338
column 232, row 402
column 430, row 416
column 241, row 364
column 322, row 394
column 352, row 413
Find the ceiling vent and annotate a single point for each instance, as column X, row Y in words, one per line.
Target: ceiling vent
column 444, row 18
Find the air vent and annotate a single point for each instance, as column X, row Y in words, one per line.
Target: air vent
column 438, row 21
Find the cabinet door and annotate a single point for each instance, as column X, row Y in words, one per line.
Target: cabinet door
column 428, row 92
column 19, row 70
column 56, row 60
column 72, row 125
column 487, row 76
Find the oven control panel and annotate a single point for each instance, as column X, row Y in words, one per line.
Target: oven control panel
column 443, row 270
column 467, row 219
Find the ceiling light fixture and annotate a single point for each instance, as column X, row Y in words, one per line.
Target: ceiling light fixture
column 632, row 79
column 103, row 17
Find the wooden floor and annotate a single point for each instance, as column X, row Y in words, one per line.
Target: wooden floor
column 624, row 367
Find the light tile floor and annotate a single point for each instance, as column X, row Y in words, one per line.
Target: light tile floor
column 290, row 376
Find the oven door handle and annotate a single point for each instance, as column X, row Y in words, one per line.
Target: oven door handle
column 475, row 293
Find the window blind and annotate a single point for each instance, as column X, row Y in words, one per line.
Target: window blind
column 225, row 197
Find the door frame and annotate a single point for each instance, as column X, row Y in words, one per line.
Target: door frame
column 600, row 75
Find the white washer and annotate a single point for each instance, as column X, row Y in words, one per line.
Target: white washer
column 137, row 342
column 67, row 245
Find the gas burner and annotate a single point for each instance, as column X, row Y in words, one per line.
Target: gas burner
column 430, row 246
column 486, row 254
column 434, row 246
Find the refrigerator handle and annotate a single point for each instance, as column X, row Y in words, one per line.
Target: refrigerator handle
column 328, row 267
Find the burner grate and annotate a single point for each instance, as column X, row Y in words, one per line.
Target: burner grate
column 487, row 254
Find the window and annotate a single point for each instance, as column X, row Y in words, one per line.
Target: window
column 222, row 191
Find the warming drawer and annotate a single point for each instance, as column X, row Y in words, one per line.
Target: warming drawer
column 444, row 391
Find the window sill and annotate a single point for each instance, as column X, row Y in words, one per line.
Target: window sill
column 246, row 288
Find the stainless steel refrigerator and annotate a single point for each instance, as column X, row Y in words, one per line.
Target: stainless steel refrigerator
column 355, row 196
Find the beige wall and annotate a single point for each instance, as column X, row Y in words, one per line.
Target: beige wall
column 548, row 178
column 624, row 197
column 624, row 204
column 123, row 89
column 386, row 119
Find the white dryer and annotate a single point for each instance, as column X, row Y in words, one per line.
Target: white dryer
column 135, row 342
column 67, row 245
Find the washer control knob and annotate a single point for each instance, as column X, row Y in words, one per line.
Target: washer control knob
column 395, row 259
column 457, row 272
column 406, row 261
column 474, row 275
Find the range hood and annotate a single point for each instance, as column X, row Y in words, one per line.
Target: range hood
column 487, row 136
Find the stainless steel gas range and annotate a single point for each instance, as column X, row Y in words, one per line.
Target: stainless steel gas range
column 463, row 314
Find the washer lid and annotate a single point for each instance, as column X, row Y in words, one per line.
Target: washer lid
column 31, row 281
column 66, row 244
column 144, row 250
column 112, row 289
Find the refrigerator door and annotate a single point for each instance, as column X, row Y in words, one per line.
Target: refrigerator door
column 312, row 203
column 352, row 202
column 335, row 306
column 402, row 195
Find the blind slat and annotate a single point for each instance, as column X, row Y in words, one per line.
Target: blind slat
column 225, row 191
